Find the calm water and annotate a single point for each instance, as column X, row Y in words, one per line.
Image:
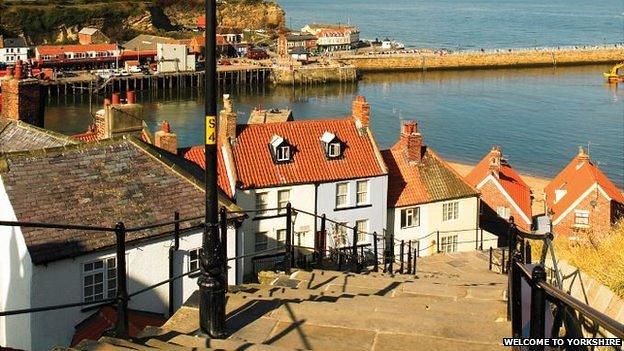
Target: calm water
column 539, row 116
column 470, row 24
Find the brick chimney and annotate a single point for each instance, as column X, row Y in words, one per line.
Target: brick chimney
column 412, row 140
column 166, row 140
column 582, row 155
column 227, row 121
column 361, row 112
column 495, row 160
column 22, row 99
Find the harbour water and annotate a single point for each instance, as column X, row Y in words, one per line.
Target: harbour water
column 459, row 24
column 539, row 116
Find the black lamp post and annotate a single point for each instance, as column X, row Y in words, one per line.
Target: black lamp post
column 212, row 277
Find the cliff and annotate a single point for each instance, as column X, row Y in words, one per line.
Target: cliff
column 54, row 21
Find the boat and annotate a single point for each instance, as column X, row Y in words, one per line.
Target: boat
column 391, row 44
column 613, row 76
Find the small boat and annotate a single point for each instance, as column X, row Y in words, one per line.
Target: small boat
column 613, row 76
column 391, row 44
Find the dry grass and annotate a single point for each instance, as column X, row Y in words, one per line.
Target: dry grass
column 599, row 255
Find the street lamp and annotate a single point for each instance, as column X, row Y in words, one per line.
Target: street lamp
column 212, row 276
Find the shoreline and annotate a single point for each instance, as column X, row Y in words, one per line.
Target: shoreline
column 537, row 184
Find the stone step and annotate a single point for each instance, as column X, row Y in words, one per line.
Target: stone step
column 226, row 344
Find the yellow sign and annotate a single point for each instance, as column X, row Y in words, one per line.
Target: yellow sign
column 211, row 130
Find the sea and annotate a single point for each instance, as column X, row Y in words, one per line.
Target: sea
column 539, row 116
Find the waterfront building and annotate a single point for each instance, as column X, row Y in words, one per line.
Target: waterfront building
column 143, row 47
column 333, row 37
column 98, row 184
column 582, row 198
column 78, row 56
column 328, row 166
column 90, row 35
column 295, row 41
column 429, row 203
column 13, row 50
column 174, row 58
column 503, row 194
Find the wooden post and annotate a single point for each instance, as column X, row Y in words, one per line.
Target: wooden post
column 409, row 256
column 288, row 244
column 401, row 253
column 376, row 265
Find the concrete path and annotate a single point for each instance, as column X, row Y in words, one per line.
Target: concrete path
column 453, row 303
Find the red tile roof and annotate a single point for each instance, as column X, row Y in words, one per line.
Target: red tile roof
column 86, row 136
column 94, row 326
column 60, row 49
column 255, row 167
column 430, row 180
column 509, row 180
column 576, row 178
column 196, row 155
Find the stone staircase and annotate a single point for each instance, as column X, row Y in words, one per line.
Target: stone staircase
column 453, row 303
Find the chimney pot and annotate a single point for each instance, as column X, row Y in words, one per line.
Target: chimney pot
column 582, row 154
column 495, row 160
column 115, row 99
column 130, row 97
column 227, row 121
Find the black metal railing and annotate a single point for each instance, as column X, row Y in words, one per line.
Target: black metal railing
column 552, row 310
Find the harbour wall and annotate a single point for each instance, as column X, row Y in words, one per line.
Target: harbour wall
column 423, row 61
column 284, row 75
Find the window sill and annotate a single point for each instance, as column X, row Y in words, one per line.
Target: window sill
column 352, row 207
column 410, row 227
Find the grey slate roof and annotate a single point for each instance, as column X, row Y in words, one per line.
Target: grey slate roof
column 21, row 136
column 15, row 43
column 144, row 42
column 88, row 31
column 99, row 184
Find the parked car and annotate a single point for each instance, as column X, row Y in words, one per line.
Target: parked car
column 124, row 73
column 134, row 69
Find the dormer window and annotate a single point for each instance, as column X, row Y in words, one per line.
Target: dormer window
column 280, row 149
column 333, row 146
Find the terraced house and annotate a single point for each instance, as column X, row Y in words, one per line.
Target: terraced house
column 329, row 166
column 96, row 184
column 428, row 202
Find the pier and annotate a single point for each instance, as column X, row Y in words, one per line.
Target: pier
column 228, row 75
column 423, row 60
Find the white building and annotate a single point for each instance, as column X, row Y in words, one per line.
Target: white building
column 97, row 184
column 329, row 166
column 174, row 58
column 428, row 202
column 333, row 37
column 13, row 50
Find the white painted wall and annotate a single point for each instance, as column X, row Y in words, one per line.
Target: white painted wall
column 15, row 279
column 375, row 211
column 12, row 55
column 301, row 197
column 431, row 222
column 174, row 58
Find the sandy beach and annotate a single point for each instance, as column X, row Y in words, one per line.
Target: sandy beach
column 537, row 184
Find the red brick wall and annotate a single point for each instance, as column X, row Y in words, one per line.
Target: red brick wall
column 23, row 100
column 599, row 216
column 491, row 196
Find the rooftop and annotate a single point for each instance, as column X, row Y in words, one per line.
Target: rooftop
column 260, row 115
column 61, row 49
column 145, row 42
column 21, row 136
column 88, row 31
column 99, row 184
column 14, row 43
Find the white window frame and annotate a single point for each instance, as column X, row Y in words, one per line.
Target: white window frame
column 281, row 205
column 450, row 211
column 414, row 216
column 106, row 279
column 362, row 231
column 448, row 243
column 194, row 264
column 333, row 149
column 581, row 214
column 265, row 244
column 341, row 195
column 282, row 153
column 365, row 192
column 261, row 206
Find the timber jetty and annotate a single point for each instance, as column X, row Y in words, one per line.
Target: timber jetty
column 423, row 60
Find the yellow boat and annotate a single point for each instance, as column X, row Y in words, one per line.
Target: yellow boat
column 613, row 76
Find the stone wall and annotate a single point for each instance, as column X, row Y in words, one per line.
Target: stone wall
column 313, row 74
column 471, row 60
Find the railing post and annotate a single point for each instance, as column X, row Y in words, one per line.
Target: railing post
column 512, row 235
column 415, row 262
column 223, row 227
column 490, row 258
column 503, row 264
column 417, row 248
column 121, row 328
column 322, row 237
column 376, row 265
column 339, row 260
column 527, row 254
column 391, row 253
column 481, row 245
column 288, row 244
column 515, row 295
column 477, row 239
column 409, row 257
column 172, row 250
column 401, row 252
column 354, row 249
column 538, row 306
column 438, row 241
column 522, row 252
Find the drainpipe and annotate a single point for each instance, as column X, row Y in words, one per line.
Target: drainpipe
column 172, row 250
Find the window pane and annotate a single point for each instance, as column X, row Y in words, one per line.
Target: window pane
column 362, row 191
column 261, row 202
column 341, row 194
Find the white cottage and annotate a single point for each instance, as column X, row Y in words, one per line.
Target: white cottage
column 97, row 184
column 330, row 166
column 428, row 202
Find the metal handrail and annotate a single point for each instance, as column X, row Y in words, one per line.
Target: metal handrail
column 55, row 226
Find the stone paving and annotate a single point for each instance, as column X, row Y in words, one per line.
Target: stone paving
column 452, row 303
